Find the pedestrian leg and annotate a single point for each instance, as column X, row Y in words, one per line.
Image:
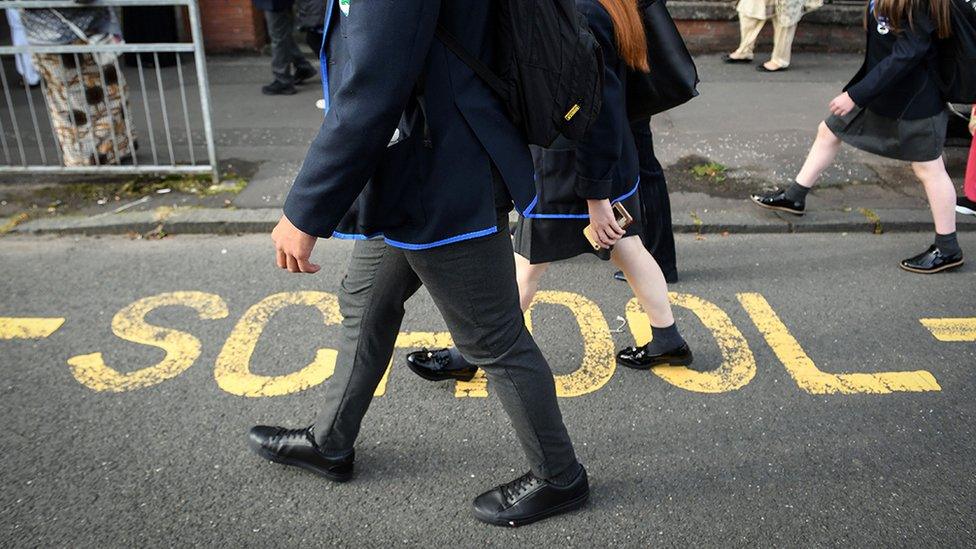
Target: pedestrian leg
column 782, row 44
column 473, row 285
column 749, row 29
column 820, row 157
column 371, row 299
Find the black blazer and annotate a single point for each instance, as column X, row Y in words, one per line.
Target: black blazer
column 428, row 184
column 897, row 79
column 604, row 163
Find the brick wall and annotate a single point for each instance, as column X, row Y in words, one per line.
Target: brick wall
column 713, row 26
column 232, row 25
column 704, row 36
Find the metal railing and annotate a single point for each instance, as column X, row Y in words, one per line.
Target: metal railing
column 181, row 141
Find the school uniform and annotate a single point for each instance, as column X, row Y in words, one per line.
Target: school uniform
column 602, row 165
column 900, row 111
column 417, row 161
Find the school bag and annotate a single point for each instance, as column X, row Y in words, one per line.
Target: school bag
column 549, row 68
column 957, row 54
column 673, row 79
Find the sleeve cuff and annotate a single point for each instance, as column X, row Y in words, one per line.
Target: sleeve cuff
column 855, row 94
column 593, row 189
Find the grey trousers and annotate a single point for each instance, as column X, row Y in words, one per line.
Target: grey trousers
column 284, row 49
column 473, row 285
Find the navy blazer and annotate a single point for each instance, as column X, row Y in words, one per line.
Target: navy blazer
column 897, row 79
column 604, row 163
column 410, row 133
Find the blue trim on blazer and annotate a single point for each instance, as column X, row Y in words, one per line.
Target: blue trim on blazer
column 323, row 58
column 409, row 246
column 535, row 201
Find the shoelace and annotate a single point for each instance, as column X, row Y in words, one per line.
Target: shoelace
column 518, row 487
column 289, row 435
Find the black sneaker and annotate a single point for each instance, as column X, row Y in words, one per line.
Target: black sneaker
column 297, row 447
column 965, row 206
column 437, row 365
column 932, row 261
column 776, row 200
column 279, row 88
column 638, row 358
column 529, row 498
column 304, row 72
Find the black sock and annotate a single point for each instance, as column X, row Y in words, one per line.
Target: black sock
column 797, row 193
column 567, row 476
column 664, row 340
column 947, row 243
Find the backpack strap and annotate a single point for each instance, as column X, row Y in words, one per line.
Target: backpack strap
column 483, row 71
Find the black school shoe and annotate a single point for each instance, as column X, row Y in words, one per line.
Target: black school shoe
column 304, row 72
column 296, row 447
column 529, row 498
column 965, row 206
column 776, row 200
column 279, row 88
column 436, row 365
column 932, row 261
column 637, row 358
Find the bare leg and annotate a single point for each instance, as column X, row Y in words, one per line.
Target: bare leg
column 820, row 157
column 645, row 279
column 940, row 192
column 528, row 276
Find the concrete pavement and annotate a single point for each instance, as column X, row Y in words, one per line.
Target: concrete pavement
column 751, row 129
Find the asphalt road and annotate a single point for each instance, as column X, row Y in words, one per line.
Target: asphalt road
column 772, row 439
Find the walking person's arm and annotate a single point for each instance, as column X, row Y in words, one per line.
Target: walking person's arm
column 388, row 41
column 910, row 49
column 598, row 153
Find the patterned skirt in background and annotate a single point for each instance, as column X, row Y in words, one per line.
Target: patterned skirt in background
column 88, row 117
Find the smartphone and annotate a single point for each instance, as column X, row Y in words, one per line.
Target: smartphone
column 623, row 217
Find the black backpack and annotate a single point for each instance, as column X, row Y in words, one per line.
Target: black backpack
column 549, row 68
column 957, row 55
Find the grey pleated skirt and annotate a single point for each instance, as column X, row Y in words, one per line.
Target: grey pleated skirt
column 919, row 140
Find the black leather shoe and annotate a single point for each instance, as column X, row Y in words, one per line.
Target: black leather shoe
column 529, row 498
column 297, row 447
column 638, row 358
column 304, row 72
column 436, row 365
column 733, row 61
column 932, row 261
column 776, row 200
column 279, row 88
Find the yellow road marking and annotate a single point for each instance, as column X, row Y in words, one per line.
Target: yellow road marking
column 598, row 358
column 951, row 329
column 28, row 328
column 806, row 374
column 738, row 364
column 233, row 371
column 182, row 348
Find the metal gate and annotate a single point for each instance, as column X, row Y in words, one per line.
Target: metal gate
column 167, row 131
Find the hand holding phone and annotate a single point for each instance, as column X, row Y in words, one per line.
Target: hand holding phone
column 600, row 233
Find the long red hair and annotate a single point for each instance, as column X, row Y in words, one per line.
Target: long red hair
column 628, row 29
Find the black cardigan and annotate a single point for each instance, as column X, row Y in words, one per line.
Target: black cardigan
column 897, row 79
